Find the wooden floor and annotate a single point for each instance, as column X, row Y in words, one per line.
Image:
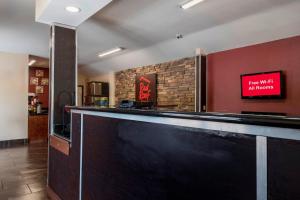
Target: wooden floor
column 23, row 172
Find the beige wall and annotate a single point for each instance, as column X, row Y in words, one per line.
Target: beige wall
column 82, row 80
column 13, row 99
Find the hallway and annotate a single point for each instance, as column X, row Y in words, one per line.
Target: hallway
column 23, row 172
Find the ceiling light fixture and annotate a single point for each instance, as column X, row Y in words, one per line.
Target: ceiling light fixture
column 31, row 62
column 72, row 9
column 115, row 50
column 190, row 4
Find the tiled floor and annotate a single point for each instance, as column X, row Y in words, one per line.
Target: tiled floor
column 23, row 172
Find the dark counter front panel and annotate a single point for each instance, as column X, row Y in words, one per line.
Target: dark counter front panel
column 128, row 160
column 283, row 169
column 64, row 170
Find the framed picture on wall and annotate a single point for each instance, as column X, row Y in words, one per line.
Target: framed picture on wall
column 39, row 89
column 45, row 81
column 39, row 73
column 34, row 81
column 146, row 88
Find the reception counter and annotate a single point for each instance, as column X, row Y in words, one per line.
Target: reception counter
column 135, row 155
column 37, row 127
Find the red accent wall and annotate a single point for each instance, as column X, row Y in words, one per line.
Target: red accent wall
column 44, row 98
column 225, row 68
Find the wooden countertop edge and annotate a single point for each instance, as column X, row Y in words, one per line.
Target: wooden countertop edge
column 59, row 144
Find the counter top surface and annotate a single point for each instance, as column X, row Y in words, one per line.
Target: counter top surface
column 40, row 114
column 261, row 120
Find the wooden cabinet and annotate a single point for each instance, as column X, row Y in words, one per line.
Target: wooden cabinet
column 37, row 128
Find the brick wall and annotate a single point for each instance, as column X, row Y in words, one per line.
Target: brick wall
column 175, row 83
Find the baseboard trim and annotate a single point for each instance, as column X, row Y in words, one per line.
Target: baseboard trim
column 13, row 143
column 51, row 194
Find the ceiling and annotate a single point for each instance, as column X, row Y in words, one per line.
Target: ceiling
column 54, row 11
column 147, row 29
column 19, row 33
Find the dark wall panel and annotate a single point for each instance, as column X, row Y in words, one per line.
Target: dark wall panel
column 283, row 169
column 64, row 170
column 126, row 160
column 64, row 71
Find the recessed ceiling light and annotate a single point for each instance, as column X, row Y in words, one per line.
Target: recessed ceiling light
column 106, row 53
column 72, row 9
column 190, row 4
column 31, row 62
